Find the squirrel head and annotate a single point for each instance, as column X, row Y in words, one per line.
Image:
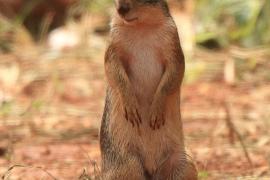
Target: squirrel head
column 148, row 12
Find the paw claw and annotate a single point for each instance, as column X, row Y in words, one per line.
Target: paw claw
column 151, row 125
column 132, row 116
column 138, row 116
column 158, row 122
column 126, row 114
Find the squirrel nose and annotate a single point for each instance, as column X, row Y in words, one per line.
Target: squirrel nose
column 124, row 9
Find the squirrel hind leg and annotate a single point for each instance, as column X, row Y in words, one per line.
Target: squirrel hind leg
column 131, row 169
column 175, row 168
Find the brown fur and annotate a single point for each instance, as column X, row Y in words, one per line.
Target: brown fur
column 144, row 66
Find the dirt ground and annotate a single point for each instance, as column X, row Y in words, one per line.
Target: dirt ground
column 51, row 110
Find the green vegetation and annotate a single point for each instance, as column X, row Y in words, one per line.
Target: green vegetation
column 241, row 22
column 203, row 175
column 5, row 30
column 93, row 6
column 5, row 108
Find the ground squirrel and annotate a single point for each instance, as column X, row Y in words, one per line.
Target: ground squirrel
column 141, row 134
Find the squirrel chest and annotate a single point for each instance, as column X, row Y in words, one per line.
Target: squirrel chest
column 144, row 63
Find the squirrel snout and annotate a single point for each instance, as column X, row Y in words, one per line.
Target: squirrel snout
column 123, row 9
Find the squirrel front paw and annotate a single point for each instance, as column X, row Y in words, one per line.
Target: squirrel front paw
column 157, row 116
column 131, row 109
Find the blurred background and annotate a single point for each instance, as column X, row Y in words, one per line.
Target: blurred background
column 52, row 86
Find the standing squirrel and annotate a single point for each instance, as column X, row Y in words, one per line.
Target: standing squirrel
column 141, row 135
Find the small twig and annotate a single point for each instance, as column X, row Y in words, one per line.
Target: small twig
column 91, row 163
column 84, row 175
column 233, row 131
column 229, row 123
column 8, row 172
